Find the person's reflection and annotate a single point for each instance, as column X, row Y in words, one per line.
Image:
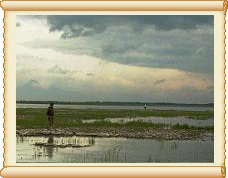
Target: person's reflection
column 50, row 146
column 174, row 146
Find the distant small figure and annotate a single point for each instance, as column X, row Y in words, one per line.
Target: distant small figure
column 145, row 106
column 50, row 113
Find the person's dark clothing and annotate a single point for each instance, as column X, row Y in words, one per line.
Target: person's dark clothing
column 50, row 111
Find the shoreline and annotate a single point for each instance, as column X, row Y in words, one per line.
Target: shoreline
column 152, row 133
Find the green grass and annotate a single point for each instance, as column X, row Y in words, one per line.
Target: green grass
column 187, row 127
column 37, row 118
column 141, row 125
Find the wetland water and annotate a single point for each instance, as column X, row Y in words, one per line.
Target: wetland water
column 111, row 150
column 159, row 120
column 115, row 107
column 75, row 149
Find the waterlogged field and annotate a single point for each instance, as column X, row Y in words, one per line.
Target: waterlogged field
column 111, row 150
column 36, row 117
column 96, row 135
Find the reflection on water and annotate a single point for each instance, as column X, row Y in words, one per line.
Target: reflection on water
column 41, row 148
column 49, row 150
column 113, row 150
column 159, row 120
column 50, row 140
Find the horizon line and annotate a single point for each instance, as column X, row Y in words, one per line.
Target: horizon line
column 139, row 102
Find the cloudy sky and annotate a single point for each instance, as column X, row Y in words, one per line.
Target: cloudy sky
column 115, row 58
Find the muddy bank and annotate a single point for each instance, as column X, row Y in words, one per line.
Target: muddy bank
column 149, row 133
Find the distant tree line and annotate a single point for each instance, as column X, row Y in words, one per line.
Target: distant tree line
column 115, row 103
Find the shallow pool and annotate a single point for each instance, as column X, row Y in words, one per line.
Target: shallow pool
column 159, row 120
column 111, row 150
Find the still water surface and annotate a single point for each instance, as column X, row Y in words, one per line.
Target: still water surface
column 159, row 120
column 113, row 150
column 60, row 106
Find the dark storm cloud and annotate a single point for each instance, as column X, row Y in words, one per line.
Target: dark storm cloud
column 83, row 25
column 191, row 51
column 179, row 42
column 184, row 42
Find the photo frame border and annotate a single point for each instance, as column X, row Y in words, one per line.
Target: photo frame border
column 225, row 7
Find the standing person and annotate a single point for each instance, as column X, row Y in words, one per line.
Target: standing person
column 145, row 106
column 50, row 113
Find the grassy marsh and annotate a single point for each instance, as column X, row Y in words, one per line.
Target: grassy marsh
column 36, row 118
